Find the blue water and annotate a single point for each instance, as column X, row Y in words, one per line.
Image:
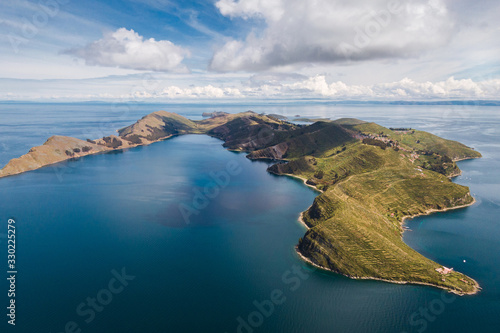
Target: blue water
column 203, row 272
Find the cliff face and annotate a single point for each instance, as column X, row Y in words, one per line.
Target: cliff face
column 276, row 152
column 55, row 149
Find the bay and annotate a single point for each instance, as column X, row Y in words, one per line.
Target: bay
column 78, row 221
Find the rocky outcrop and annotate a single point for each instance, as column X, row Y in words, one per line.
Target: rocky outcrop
column 276, row 152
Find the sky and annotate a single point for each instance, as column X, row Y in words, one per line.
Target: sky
column 238, row 50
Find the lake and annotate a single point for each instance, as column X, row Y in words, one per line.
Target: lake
column 184, row 236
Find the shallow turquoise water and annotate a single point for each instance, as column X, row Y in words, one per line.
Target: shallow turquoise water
column 79, row 220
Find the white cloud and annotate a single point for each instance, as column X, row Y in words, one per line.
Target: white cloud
column 318, row 87
column 127, row 49
column 405, row 89
column 208, row 91
column 332, row 31
column 273, row 9
column 284, row 87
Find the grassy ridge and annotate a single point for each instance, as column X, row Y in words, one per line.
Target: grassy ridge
column 315, row 140
column 158, row 125
column 356, row 223
column 248, row 131
column 354, row 230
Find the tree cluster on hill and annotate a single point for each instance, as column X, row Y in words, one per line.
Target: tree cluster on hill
column 134, row 138
column 214, row 114
column 440, row 164
column 112, row 142
column 400, row 129
column 375, row 142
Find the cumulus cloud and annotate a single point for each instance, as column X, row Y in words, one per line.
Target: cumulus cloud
column 332, row 31
column 259, row 87
column 317, row 87
column 127, row 49
column 405, row 89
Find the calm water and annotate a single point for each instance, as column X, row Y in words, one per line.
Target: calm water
column 77, row 221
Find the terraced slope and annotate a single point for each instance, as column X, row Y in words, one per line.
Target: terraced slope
column 356, row 223
column 368, row 188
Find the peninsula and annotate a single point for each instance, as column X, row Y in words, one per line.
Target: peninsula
column 370, row 178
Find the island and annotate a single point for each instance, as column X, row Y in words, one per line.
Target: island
column 369, row 178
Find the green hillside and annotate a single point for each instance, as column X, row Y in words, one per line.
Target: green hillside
column 356, row 223
column 420, row 141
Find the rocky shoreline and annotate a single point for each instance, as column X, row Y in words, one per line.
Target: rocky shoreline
column 476, row 289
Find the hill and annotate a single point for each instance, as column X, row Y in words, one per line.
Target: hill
column 158, row 125
column 356, row 223
column 370, row 178
column 56, row 149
